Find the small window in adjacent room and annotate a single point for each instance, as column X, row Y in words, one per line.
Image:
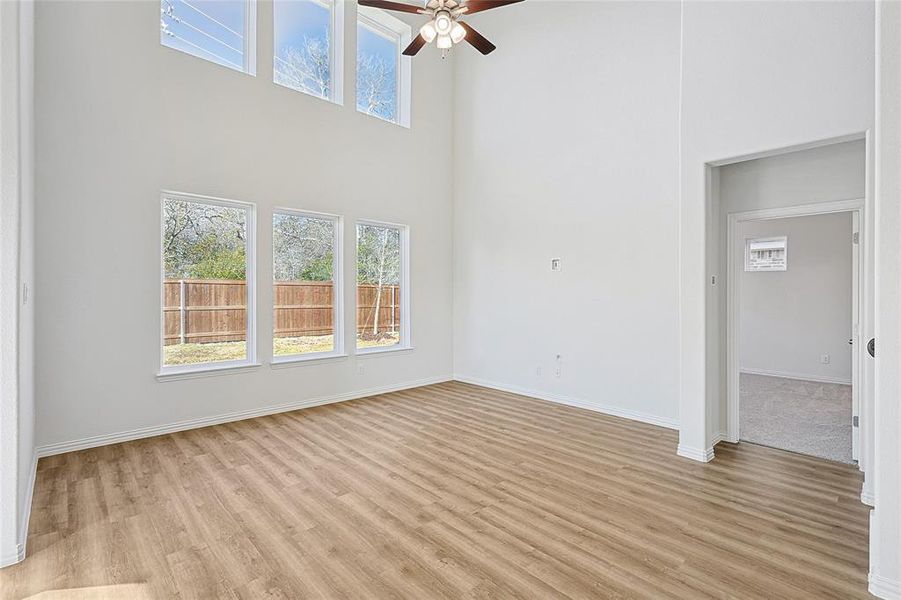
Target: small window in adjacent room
column 382, row 287
column 207, row 281
column 308, row 54
column 220, row 31
column 383, row 73
column 766, row 254
column 306, row 267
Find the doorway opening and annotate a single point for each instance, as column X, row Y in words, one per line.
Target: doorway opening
column 818, row 178
column 793, row 330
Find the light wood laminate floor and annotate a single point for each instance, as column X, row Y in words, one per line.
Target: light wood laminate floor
column 446, row 491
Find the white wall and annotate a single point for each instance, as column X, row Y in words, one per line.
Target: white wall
column 582, row 168
column 120, row 117
column 790, row 318
column 756, row 76
column 566, row 147
column 885, row 523
column 17, row 415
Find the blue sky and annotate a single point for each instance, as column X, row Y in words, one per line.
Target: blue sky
column 296, row 19
column 211, row 29
column 369, row 42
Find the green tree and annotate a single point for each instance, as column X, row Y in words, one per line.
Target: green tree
column 203, row 241
column 302, row 248
column 223, row 263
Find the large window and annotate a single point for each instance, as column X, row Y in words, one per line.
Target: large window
column 207, row 283
column 383, row 73
column 221, row 31
column 306, row 266
column 308, row 52
column 382, row 287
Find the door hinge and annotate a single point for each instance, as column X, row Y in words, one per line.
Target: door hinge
column 855, row 421
column 855, row 239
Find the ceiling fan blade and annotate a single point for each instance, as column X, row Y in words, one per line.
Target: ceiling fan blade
column 388, row 5
column 478, row 41
column 415, row 46
column 474, row 6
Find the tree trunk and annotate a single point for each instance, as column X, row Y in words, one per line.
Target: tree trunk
column 378, row 291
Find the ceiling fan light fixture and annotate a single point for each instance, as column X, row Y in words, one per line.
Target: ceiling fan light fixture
column 443, row 27
column 428, row 32
column 457, row 33
column 443, row 23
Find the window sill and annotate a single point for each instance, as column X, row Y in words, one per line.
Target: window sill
column 300, row 360
column 207, row 371
column 384, row 120
column 375, row 350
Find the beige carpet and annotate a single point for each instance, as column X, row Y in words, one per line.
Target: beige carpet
column 802, row 416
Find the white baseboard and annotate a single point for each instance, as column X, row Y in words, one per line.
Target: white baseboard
column 145, row 432
column 13, row 557
column 801, row 376
column 25, row 515
column 722, row 436
column 18, row 554
column 885, row 588
column 698, row 454
column 867, row 496
column 570, row 401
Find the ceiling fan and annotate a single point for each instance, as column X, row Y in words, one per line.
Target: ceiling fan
column 444, row 26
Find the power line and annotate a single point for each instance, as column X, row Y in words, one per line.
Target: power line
column 189, row 5
column 213, row 54
column 202, row 32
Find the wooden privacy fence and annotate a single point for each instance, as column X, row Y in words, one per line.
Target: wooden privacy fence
column 199, row 311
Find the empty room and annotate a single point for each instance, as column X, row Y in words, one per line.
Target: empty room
column 450, row 299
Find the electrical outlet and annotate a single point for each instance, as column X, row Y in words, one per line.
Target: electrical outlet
column 824, row 359
column 556, row 264
column 538, row 371
column 361, row 370
column 557, row 371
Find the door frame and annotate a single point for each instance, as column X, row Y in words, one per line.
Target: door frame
column 733, row 305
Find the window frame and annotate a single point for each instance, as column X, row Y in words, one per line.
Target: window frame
column 338, row 349
column 250, row 261
column 336, row 51
column 249, row 51
column 384, row 24
column 749, row 241
column 406, row 341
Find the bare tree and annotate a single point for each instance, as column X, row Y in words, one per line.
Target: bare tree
column 302, row 248
column 378, row 262
column 376, row 86
column 200, row 234
column 306, row 68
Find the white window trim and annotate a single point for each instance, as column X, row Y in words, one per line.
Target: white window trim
column 406, row 340
column 398, row 31
column 337, row 295
column 250, row 37
column 249, row 51
column 336, row 52
column 250, row 256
